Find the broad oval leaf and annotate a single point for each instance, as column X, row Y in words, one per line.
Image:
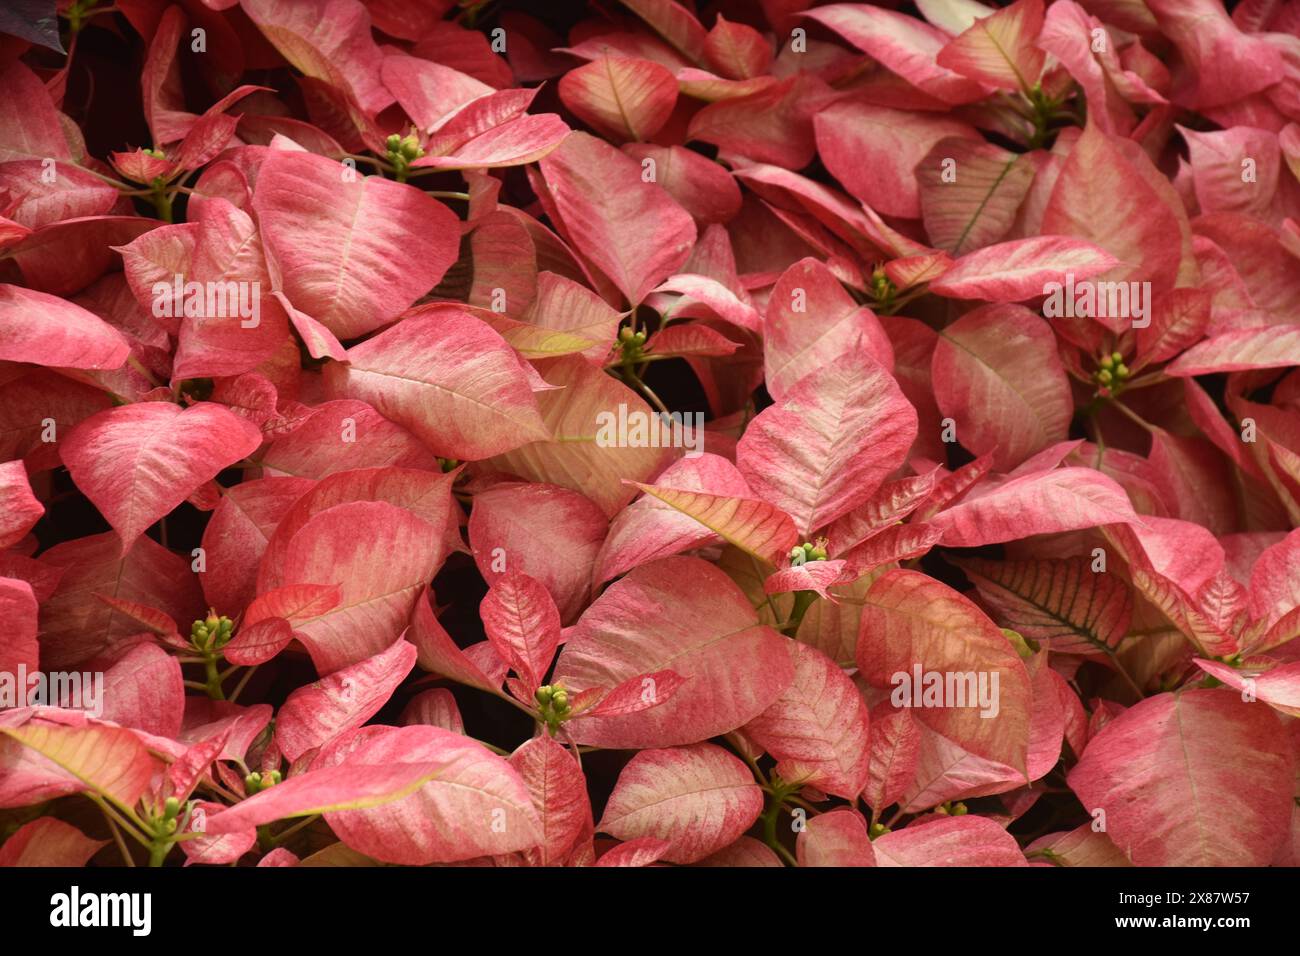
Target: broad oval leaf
column 631, row 230
column 831, row 442
column 698, row 798
column 352, row 251
column 138, row 462
column 996, row 373
column 679, row 614
column 1221, row 795
column 817, row 729
column 450, row 379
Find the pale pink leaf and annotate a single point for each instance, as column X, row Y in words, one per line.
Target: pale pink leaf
column 699, row 798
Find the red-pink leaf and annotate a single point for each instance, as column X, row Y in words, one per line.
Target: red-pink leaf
column 996, row 373
column 956, row 841
column 343, row 436
column 895, row 747
column 19, row 509
column 1022, row 269
column 830, row 443
column 837, row 838
column 138, row 462
column 903, row 44
column 873, row 151
column 75, row 626
column 685, row 615
column 380, row 573
column 912, row 622
column 440, row 654
column 109, row 761
column 295, row 602
column 1270, row 346
column 523, row 625
column 351, row 251
column 475, row 804
column 236, row 536
column 643, row 851
column 1061, row 601
column 550, row 534
column 144, row 689
column 48, row 841
column 1000, row 50
column 1222, row 796
column 345, row 699
column 18, row 646
column 754, row 526
column 649, row 528
column 47, row 330
column 811, row 321
column 634, row 695
column 559, row 792
column 587, row 451
column 622, row 98
column 698, row 798
column 1045, row 502
column 631, row 230
column 817, row 728
column 450, row 379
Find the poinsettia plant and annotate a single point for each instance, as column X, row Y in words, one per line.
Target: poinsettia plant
column 654, row 433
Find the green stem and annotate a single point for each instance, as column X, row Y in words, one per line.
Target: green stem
column 213, row 686
column 802, row 601
column 158, row 851
column 769, row 829
column 162, row 202
column 644, row 389
column 279, row 838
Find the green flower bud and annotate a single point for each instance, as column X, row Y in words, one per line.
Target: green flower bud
column 394, row 143
column 410, row 148
column 877, row 830
column 1121, row 370
column 959, row 809
column 1117, row 357
column 171, row 807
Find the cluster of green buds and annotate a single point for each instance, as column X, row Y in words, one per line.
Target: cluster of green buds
column 257, row 782
column 169, row 822
column 883, row 289
column 553, row 705
column 448, row 464
column 632, row 345
column 212, row 633
column 951, row 809
column 402, row 151
column 808, row 551
column 877, row 830
column 76, row 13
column 1112, row 374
